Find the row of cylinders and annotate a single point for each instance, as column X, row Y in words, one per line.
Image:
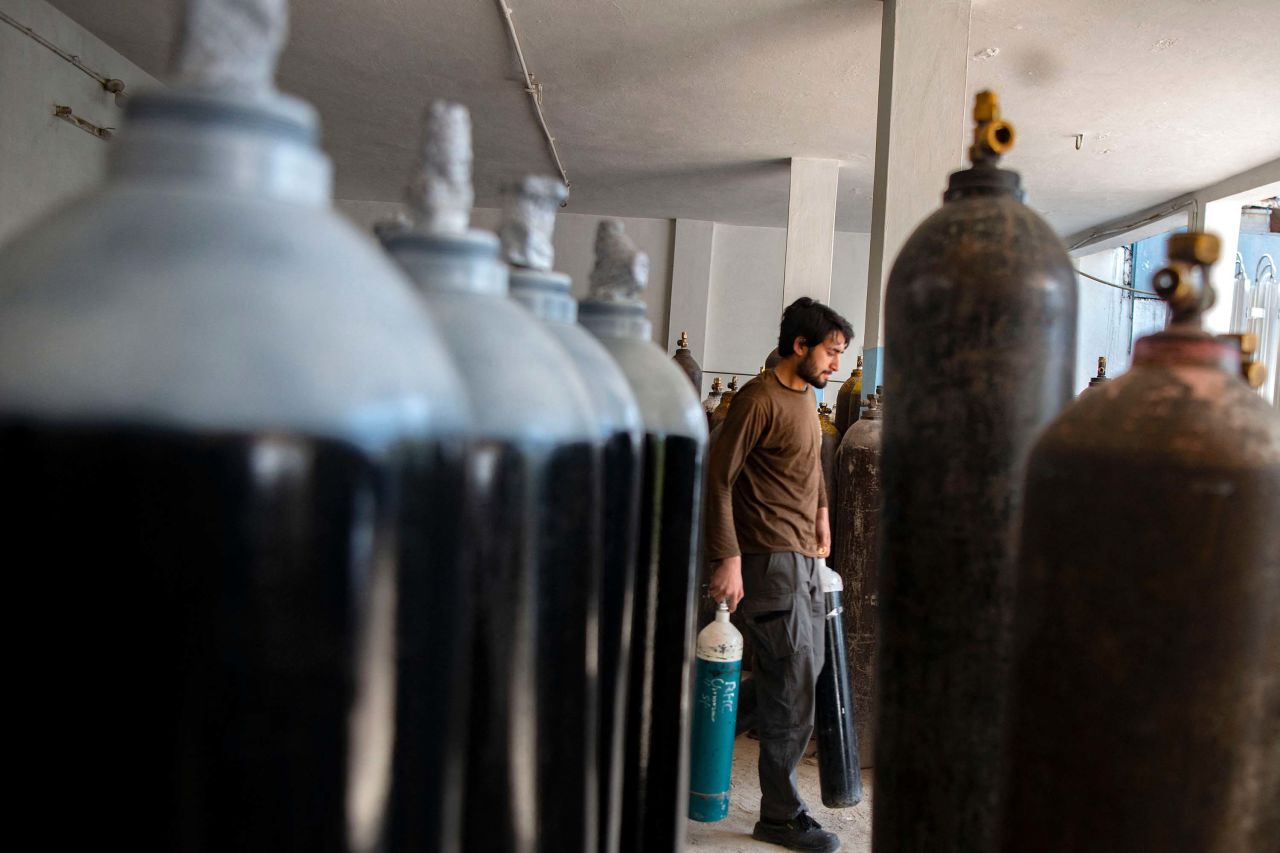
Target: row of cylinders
column 294, row 594
column 301, row 588
column 1065, row 616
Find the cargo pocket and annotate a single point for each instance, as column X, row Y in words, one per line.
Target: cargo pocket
column 776, row 628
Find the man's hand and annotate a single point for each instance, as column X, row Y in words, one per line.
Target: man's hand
column 823, row 530
column 726, row 581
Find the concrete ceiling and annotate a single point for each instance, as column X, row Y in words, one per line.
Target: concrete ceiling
column 690, row 108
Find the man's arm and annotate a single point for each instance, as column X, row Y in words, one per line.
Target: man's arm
column 739, row 434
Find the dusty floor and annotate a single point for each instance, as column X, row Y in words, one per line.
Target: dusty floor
column 853, row 825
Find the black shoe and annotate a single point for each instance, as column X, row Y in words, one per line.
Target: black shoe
column 800, row 833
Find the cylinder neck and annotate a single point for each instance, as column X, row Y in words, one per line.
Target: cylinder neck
column 722, row 612
column 1186, row 348
column 615, row 319
column 450, row 263
column 226, row 145
column 546, row 294
column 984, row 179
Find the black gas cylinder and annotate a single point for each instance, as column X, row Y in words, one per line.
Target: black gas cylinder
column 235, row 435
column 528, row 222
column 537, row 464
column 835, row 719
column 980, row 332
column 656, row 745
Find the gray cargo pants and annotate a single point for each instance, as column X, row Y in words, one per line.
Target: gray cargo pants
column 783, row 610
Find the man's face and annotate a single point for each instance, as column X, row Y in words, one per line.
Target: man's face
column 822, row 360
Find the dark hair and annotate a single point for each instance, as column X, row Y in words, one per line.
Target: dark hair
column 809, row 319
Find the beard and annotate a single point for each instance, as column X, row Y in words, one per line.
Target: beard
column 808, row 370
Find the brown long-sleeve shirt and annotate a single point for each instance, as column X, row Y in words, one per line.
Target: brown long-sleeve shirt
column 765, row 479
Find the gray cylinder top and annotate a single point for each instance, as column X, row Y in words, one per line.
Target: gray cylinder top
column 206, row 284
column 615, row 313
column 614, row 403
column 490, row 338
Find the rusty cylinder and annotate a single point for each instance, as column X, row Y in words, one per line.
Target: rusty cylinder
column 980, row 330
column 849, row 400
column 685, row 361
column 1146, row 687
column 856, row 548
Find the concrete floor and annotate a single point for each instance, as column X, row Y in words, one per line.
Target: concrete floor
column 852, row 825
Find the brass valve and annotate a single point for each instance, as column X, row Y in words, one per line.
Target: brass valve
column 992, row 135
column 1184, row 283
column 1102, row 367
column 715, row 385
column 1195, row 247
column 1253, row 372
column 683, row 343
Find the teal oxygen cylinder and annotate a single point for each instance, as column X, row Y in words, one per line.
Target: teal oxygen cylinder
column 715, row 713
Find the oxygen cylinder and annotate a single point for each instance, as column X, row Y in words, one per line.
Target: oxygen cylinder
column 537, row 463
column 830, row 443
column 235, row 435
column 827, row 454
column 834, row 716
column 685, row 361
column 713, row 399
column 856, row 547
column 656, row 745
column 717, row 677
column 849, row 400
column 722, row 410
column 1146, row 702
column 980, row 319
column 526, row 241
column 1095, row 381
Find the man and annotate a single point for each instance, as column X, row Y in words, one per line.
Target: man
column 767, row 525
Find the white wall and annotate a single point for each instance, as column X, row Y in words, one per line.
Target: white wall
column 574, row 242
column 746, row 298
column 43, row 159
column 1105, row 321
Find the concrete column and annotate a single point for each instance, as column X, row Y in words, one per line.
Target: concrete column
column 691, row 287
column 811, row 229
column 920, row 137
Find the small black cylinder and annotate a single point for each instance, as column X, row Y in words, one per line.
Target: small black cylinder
column 835, row 723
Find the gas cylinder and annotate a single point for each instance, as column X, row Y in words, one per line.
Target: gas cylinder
column 980, row 321
column 713, row 399
column 849, row 400
column 717, row 677
column 1095, row 381
column 830, row 444
column 1146, row 703
column 537, row 463
column 235, row 434
column 856, row 547
column 686, row 362
column 722, row 410
column 834, row 714
column 528, row 222
column 656, row 744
